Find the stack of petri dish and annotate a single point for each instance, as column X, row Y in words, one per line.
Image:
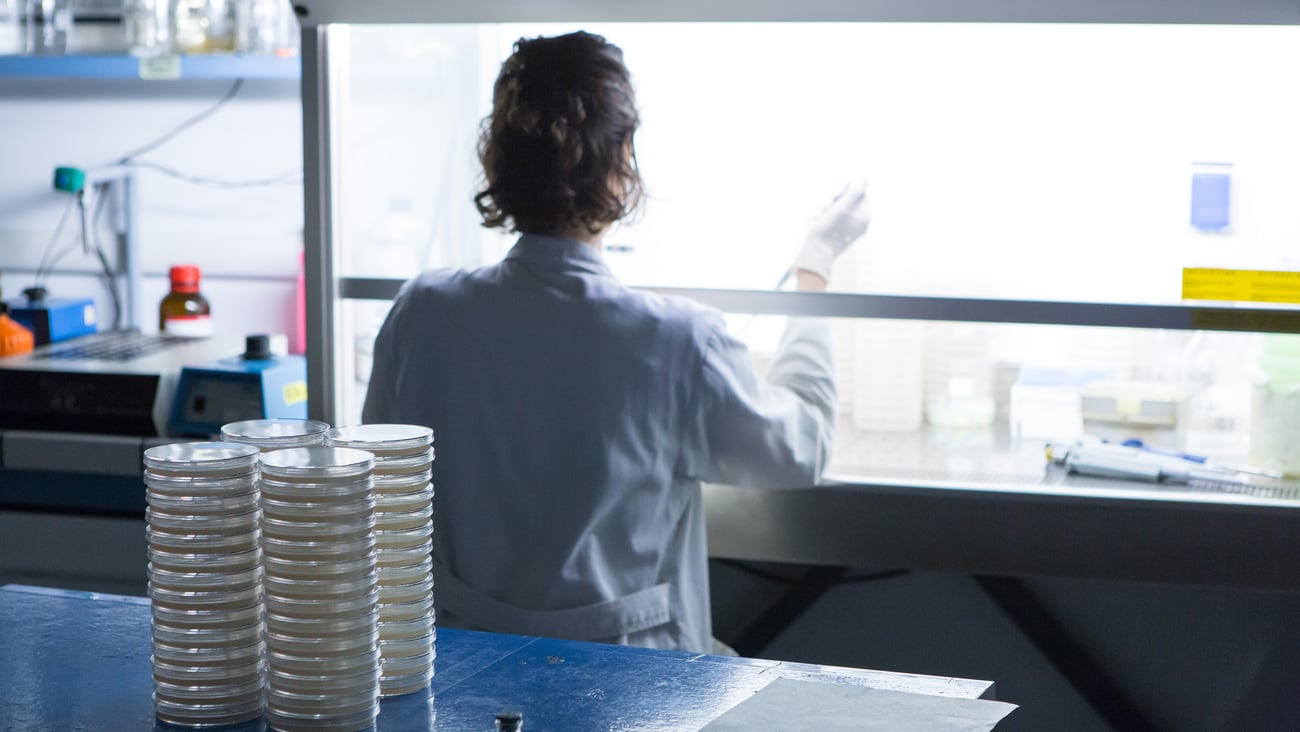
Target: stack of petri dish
column 205, row 582
column 318, row 541
column 276, row 434
column 403, row 534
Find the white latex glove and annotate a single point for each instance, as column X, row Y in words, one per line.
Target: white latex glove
column 841, row 224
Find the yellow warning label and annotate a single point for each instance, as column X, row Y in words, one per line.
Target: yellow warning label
column 295, row 392
column 1241, row 285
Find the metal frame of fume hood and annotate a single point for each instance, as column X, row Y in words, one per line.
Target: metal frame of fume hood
column 320, row 46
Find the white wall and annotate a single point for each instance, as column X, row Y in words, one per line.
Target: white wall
column 247, row 241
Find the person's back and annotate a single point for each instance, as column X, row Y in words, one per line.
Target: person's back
column 574, row 419
column 567, row 399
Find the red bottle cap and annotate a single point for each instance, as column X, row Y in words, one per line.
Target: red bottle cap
column 185, row 278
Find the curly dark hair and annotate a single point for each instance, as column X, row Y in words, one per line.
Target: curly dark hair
column 557, row 148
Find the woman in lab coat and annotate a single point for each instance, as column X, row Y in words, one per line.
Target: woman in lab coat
column 575, row 419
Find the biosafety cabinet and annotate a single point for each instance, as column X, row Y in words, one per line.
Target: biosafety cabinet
column 1085, row 226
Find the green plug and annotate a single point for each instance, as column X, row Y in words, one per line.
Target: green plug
column 69, row 179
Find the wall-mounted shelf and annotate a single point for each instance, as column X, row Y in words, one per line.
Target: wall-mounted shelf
column 122, row 66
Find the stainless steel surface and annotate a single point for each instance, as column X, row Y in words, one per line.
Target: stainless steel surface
column 1277, row 319
column 314, row 12
column 320, row 224
column 962, row 502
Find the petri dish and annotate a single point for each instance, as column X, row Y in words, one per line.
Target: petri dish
column 319, row 568
column 316, row 464
column 195, row 619
column 411, row 501
column 417, row 627
column 403, row 520
column 200, row 459
column 297, row 607
column 384, row 440
column 275, row 434
column 408, row 555
column 412, row 592
column 399, row 611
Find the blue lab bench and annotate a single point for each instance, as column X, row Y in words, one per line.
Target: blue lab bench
column 73, row 660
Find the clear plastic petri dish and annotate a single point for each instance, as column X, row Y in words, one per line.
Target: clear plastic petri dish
column 405, row 684
column 202, row 541
column 213, row 600
column 209, row 694
column 205, row 715
column 403, row 520
column 200, row 459
column 400, row 611
column 390, row 594
column 341, row 649
column 200, row 581
column 418, row 627
column 390, row 487
column 404, row 647
column 325, row 629
column 319, row 568
column 357, row 527
column 403, row 467
column 224, row 657
column 403, row 665
column 191, row 675
column 391, row 557
column 206, row 562
column 214, row 484
column 207, row 637
column 195, row 619
column 322, row 590
column 291, row 510
column 405, row 575
column 384, row 440
column 212, row 677
column 285, row 701
column 324, row 683
column 296, row 607
column 403, row 538
column 335, row 492
column 305, row 549
column 289, row 720
column 316, row 464
column 180, row 524
column 276, row 434
column 192, row 505
column 316, row 665
column 412, row 501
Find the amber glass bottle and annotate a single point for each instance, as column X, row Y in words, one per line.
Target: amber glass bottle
column 185, row 311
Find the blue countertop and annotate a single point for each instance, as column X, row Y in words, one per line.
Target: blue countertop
column 80, row 661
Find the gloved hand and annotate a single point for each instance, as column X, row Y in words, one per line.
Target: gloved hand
column 841, row 224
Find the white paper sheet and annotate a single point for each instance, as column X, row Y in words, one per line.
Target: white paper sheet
column 798, row 706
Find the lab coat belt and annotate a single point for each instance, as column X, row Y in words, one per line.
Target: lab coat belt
column 609, row 619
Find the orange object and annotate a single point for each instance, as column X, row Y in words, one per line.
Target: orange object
column 14, row 338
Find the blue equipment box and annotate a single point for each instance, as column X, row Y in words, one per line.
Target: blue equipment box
column 238, row 388
column 56, row 319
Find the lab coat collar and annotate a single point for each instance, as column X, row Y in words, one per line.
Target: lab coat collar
column 560, row 253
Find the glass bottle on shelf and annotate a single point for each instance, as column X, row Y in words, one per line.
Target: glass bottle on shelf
column 11, row 27
column 49, row 23
column 267, row 28
column 147, row 27
column 185, row 311
column 203, row 26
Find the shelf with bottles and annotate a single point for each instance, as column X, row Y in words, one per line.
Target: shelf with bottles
column 150, row 39
column 124, row 66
